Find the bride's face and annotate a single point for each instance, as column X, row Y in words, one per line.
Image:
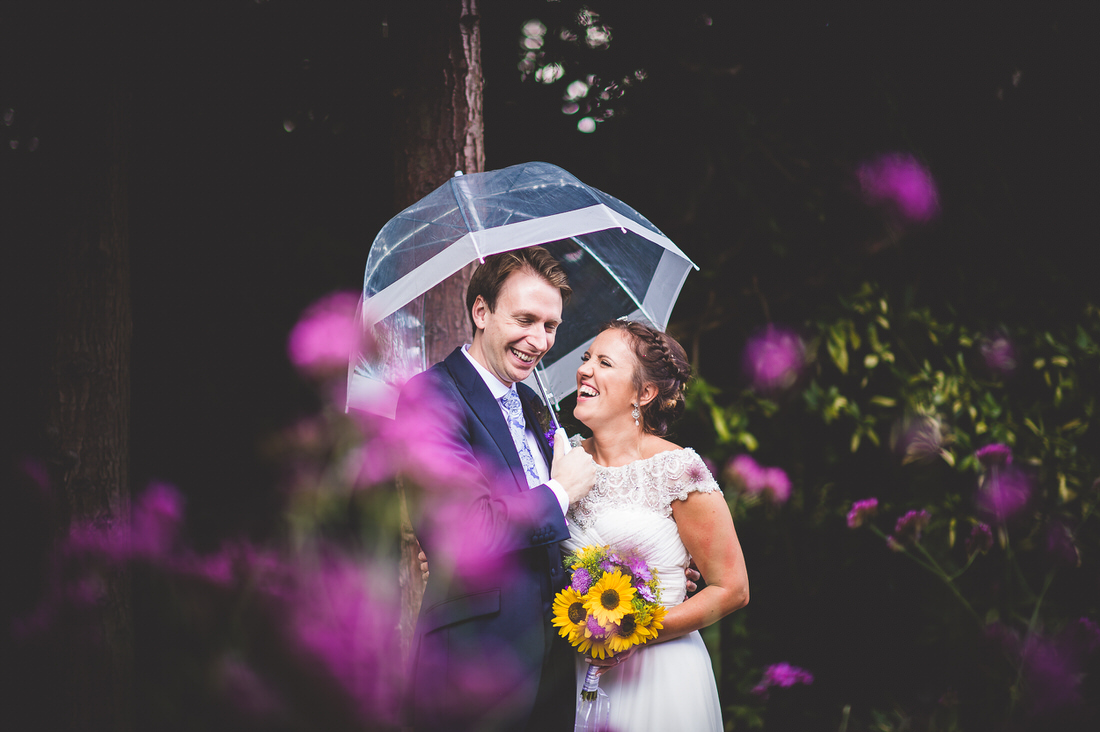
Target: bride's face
column 605, row 381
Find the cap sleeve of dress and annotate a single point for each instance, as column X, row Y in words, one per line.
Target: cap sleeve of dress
column 687, row 473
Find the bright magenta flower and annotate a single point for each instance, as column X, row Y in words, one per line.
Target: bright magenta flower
column 325, row 337
column 907, row 531
column 774, row 359
column 861, row 511
column 783, row 675
column 994, row 455
column 899, row 181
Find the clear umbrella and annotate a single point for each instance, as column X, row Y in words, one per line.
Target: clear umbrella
column 618, row 264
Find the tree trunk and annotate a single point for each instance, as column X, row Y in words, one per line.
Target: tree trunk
column 438, row 130
column 88, row 391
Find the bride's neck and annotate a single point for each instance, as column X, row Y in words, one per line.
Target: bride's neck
column 615, row 447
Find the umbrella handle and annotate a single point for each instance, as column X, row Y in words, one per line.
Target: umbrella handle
column 553, row 416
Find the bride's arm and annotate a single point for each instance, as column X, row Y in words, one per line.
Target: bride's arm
column 706, row 528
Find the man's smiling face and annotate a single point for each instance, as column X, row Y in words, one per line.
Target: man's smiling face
column 511, row 339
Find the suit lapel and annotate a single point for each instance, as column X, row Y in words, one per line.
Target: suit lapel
column 487, row 411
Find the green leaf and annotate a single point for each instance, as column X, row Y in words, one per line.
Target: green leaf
column 837, row 348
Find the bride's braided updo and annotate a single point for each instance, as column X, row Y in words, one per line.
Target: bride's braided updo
column 663, row 363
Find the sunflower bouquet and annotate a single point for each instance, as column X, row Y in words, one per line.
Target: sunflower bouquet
column 613, row 602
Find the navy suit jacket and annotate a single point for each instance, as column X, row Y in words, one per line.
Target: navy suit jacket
column 483, row 637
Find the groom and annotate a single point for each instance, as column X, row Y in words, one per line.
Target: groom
column 483, row 656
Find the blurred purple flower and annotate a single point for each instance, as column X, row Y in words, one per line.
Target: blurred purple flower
column 999, row 354
column 582, row 580
column 1086, row 634
column 1003, row 493
column 783, row 675
column 773, row 359
column 1052, row 673
column 759, row 481
column 994, row 455
column 345, row 615
column 980, row 540
column 157, row 517
column 1060, row 544
column 861, row 511
column 907, row 530
column 900, row 182
column 326, row 335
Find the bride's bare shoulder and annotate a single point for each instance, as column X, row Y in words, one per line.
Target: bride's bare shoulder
column 655, row 445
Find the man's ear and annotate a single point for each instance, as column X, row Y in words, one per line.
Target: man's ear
column 480, row 312
column 648, row 394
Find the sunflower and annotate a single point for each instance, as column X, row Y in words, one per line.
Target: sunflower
column 610, row 598
column 570, row 615
column 626, row 634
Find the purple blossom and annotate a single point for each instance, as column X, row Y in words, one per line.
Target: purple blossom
column 899, row 182
column 999, row 354
column 907, row 530
column 1004, row 493
column 594, row 627
column 994, row 455
column 783, row 675
column 861, row 511
column 773, row 359
column 646, row 593
column 639, row 569
column 327, row 335
column 582, row 580
column 760, row 481
column 1060, row 545
column 980, row 540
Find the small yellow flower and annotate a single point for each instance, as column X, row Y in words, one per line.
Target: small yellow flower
column 650, row 622
column 570, row 615
column 585, row 553
column 610, row 598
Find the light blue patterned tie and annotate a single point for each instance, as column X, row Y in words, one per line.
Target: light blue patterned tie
column 517, row 427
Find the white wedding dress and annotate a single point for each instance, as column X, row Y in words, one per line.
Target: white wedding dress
column 669, row 685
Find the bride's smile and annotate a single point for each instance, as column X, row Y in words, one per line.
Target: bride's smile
column 606, row 388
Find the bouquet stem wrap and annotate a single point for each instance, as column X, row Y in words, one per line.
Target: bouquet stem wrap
column 593, row 706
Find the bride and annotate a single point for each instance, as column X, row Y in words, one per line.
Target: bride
column 659, row 500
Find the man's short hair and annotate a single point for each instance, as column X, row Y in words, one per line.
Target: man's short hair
column 490, row 277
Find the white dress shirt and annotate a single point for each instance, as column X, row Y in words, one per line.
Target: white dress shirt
column 498, row 389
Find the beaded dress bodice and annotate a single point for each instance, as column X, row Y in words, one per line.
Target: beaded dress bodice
column 630, row 509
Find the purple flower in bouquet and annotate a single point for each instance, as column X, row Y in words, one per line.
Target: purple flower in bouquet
column 900, row 182
column 1004, row 493
column 594, row 628
column 582, row 580
column 646, row 593
column 907, row 530
column 326, row 335
column 861, row 511
column 773, row 359
column 639, row 569
column 999, row 354
column 980, row 540
column 783, row 675
column 994, row 455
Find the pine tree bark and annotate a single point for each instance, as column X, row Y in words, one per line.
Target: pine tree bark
column 438, row 130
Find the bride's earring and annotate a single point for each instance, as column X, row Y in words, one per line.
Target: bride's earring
column 635, row 414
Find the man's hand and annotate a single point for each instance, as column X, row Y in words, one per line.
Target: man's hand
column 424, row 565
column 692, row 574
column 575, row 470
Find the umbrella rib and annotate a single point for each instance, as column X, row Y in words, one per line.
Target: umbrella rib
column 458, row 182
column 616, row 277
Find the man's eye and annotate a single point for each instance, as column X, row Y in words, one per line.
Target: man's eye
column 585, row 357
